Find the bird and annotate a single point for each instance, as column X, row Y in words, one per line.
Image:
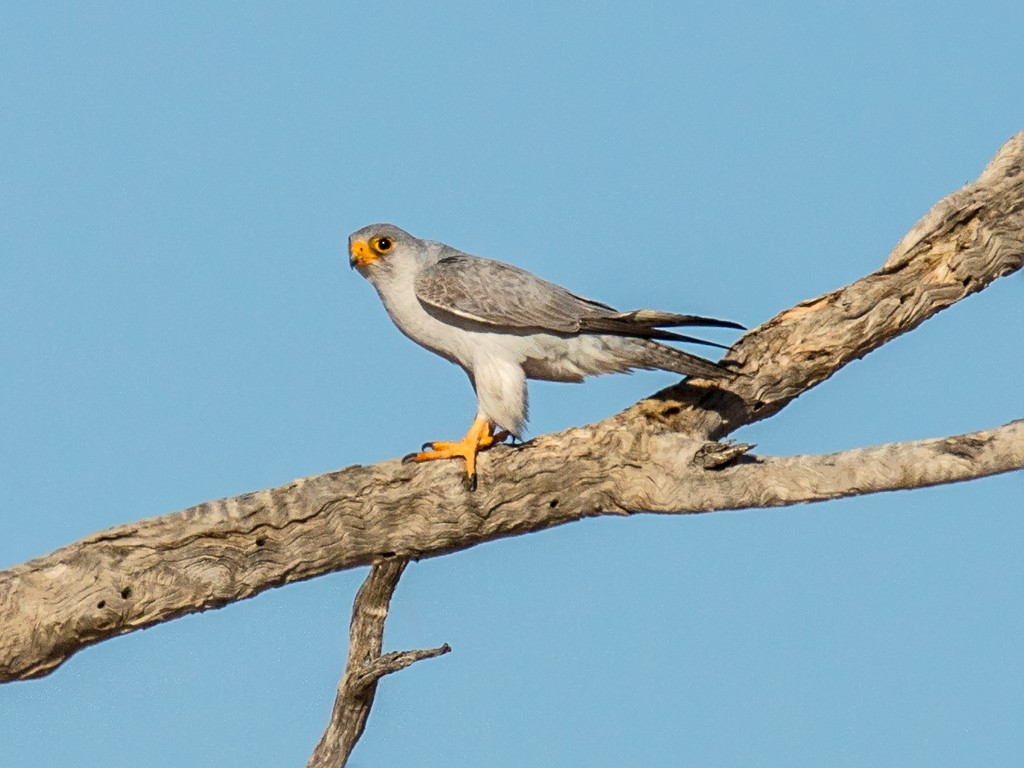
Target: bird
column 503, row 325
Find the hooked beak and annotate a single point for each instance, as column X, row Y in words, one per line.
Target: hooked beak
column 359, row 254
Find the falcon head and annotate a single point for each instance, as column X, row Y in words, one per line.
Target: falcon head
column 380, row 247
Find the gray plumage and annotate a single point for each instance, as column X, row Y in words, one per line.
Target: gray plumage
column 501, row 295
column 503, row 325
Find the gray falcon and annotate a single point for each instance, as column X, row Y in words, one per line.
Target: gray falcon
column 503, row 325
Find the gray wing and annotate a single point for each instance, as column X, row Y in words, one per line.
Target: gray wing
column 497, row 294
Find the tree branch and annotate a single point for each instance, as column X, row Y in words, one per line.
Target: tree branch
column 120, row 580
column 643, row 459
column 755, row 482
column 365, row 665
column 966, row 241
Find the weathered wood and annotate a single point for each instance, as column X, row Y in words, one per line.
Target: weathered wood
column 365, row 666
column 137, row 575
column 968, row 239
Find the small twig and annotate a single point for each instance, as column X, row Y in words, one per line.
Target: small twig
column 365, row 665
column 719, row 455
column 395, row 661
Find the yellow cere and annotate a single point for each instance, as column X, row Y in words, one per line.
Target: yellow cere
column 361, row 253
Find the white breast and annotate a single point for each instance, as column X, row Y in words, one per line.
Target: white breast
column 406, row 312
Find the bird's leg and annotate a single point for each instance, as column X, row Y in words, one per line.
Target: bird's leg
column 481, row 435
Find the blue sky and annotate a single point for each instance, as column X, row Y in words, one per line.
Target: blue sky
column 178, row 323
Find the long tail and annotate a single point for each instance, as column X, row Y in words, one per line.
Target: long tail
column 651, row 354
column 648, row 324
column 653, row 317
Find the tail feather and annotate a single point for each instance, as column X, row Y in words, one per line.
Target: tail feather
column 647, row 324
column 652, row 355
column 642, row 329
column 653, row 318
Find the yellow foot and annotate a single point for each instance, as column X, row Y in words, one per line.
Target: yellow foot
column 480, row 436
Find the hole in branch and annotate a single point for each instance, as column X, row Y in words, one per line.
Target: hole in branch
column 101, row 604
column 126, row 593
column 553, row 503
column 260, row 541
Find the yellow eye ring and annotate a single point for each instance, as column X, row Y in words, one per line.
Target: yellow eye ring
column 382, row 244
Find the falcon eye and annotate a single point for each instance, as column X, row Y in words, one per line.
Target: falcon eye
column 382, row 244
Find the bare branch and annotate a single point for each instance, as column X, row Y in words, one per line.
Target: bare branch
column 755, row 482
column 119, row 581
column 365, row 665
column 644, row 459
column 396, row 661
column 966, row 241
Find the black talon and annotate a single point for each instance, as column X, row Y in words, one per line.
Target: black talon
column 427, row 447
column 469, row 482
column 409, row 458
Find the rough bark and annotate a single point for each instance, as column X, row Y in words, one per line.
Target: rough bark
column 968, row 239
column 365, row 665
column 654, row 456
